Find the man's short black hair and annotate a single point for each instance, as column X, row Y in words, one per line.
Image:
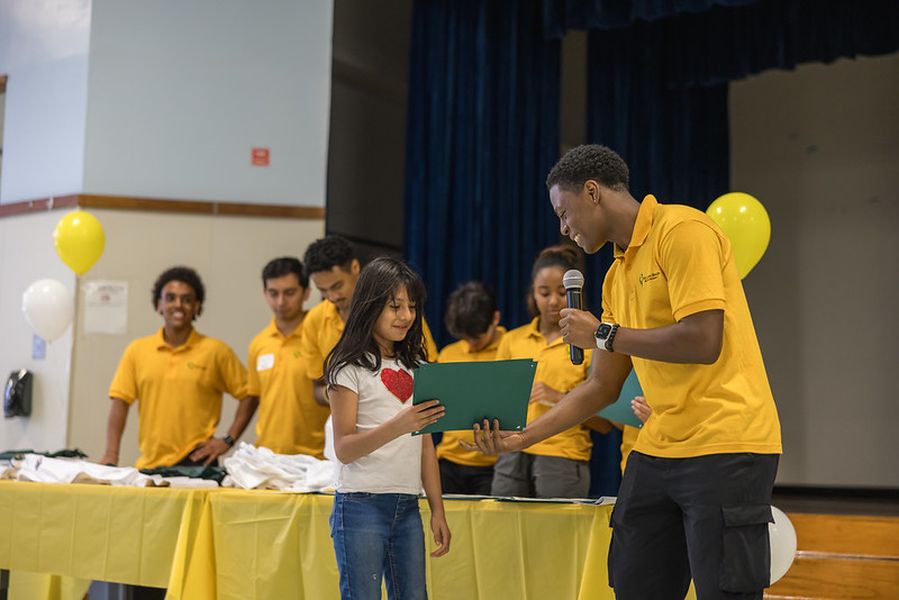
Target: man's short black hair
column 182, row 274
column 591, row 161
column 470, row 310
column 329, row 252
column 285, row 265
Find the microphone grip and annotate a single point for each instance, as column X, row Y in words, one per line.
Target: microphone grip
column 574, row 301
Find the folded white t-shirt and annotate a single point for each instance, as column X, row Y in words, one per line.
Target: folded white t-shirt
column 260, row 468
column 43, row 469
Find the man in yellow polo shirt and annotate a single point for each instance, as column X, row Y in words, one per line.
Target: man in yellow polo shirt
column 290, row 420
column 333, row 266
column 473, row 318
column 696, row 494
column 177, row 376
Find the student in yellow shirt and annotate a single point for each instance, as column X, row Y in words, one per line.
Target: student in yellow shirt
column 695, row 500
column 290, row 420
column 473, row 318
column 177, row 376
column 333, row 267
column 556, row 467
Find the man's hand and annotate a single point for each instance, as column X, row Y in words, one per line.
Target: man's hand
column 494, row 441
column 209, row 450
column 641, row 408
column 545, row 395
column 578, row 327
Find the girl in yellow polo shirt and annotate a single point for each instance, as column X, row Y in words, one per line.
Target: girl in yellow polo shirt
column 556, row 467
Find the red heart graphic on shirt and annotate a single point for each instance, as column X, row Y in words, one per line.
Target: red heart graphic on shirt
column 399, row 383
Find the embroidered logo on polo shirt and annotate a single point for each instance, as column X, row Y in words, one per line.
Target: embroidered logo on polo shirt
column 650, row 277
column 192, row 365
column 296, row 353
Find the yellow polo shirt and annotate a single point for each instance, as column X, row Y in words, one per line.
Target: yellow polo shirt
column 290, row 421
column 321, row 332
column 554, row 368
column 449, row 447
column 680, row 263
column 178, row 393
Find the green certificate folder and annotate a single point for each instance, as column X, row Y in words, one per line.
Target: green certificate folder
column 621, row 411
column 473, row 391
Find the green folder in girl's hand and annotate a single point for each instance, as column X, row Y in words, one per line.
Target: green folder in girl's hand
column 473, row 391
column 620, row 411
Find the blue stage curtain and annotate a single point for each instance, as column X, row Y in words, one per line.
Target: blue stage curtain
column 708, row 42
column 562, row 15
column 483, row 132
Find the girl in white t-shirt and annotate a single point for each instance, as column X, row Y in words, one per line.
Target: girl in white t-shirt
column 375, row 523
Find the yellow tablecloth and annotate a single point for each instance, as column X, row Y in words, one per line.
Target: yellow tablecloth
column 107, row 533
column 255, row 544
column 252, row 545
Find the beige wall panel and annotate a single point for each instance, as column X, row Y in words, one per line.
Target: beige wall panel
column 819, row 147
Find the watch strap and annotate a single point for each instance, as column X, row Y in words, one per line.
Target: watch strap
column 605, row 334
column 611, row 337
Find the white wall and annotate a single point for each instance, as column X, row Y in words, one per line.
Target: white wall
column 819, row 147
column 26, row 255
column 44, row 51
column 179, row 93
column 229, row 254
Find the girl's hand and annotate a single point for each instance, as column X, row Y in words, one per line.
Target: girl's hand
column 442, row 534
column 545, row 395
column 419, row 416
column 641, row 408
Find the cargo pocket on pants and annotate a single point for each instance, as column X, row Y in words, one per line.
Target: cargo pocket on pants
column 745, row 554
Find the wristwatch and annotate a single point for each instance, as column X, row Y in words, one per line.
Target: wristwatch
column 605, row 335
column 229, row 440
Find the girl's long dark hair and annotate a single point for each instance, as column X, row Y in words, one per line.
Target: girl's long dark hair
column 378, row 284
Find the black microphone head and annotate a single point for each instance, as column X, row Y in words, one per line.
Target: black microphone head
column 573, row 279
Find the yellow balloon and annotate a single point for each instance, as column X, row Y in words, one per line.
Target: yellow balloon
column 79, row 239
column 746, row 224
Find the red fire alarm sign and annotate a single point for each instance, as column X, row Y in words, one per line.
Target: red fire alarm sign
column 259, row 157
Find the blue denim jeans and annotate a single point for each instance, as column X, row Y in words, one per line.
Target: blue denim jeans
column 375, row 535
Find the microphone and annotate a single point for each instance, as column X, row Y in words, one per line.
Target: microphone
column 573, row 280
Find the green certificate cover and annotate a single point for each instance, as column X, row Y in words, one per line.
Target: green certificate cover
column 620, row 411
column 473, row 391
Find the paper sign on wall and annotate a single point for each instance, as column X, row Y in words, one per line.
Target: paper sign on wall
column 105, row 307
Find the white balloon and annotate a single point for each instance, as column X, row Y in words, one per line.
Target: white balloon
column 49, row 308
column 783, row 544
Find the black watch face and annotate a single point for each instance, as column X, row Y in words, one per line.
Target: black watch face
column 603, row 331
